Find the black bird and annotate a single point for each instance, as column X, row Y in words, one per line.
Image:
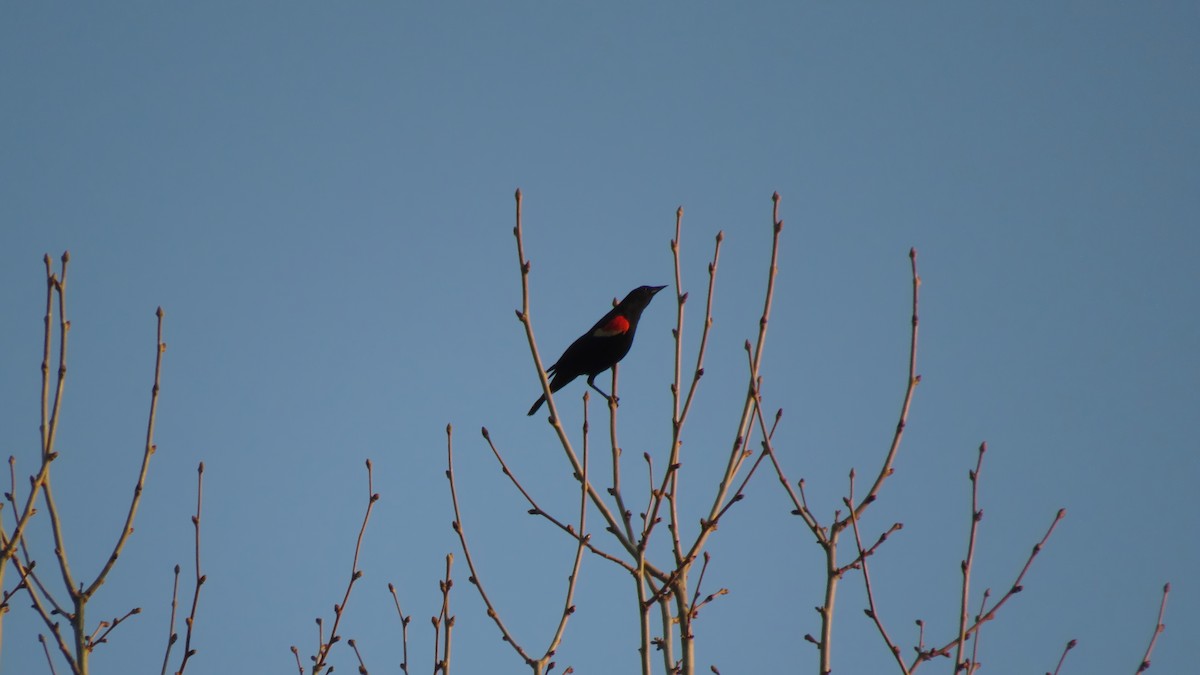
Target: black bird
column 602, row 346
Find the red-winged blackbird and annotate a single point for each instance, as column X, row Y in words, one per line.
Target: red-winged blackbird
column 602, row 346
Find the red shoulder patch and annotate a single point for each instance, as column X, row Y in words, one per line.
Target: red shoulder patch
column 615, row 326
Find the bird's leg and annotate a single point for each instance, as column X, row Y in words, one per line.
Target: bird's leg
column 592, row 383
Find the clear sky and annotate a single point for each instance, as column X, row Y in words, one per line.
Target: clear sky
column 320, row 197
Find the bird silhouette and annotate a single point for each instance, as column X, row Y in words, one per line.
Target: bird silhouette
column 602, row 346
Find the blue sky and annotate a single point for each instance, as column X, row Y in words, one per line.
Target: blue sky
column 320, row 197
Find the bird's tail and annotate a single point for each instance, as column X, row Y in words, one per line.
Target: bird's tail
column 537, row 404
column 542, row 399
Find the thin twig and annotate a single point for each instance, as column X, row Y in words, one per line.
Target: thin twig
column 677, row 332
column 679, row 416
column 737, row 455
column 33, row 574
column 707, row 326
column 436, row 620
column 26, row 570
column 79, row 594
column 975, row 665
column 93, row 641
column 403, row 627
column 740, row 492
column 738, row 452
column 697, row 603
column 796, row 496
column 523, row 315
column 827, row 538
column 147, row 452
column 913, row 380
column 445, row 619
column 645, row 637
column 615, row 450
column 872, row 610
column 49, row 421
column 46, row 650
column 708, row 526
column 57, row 284
column 583, row 537
column 944, row 650
column 1159, row 626
column 536, row 509
column 968, row 563
column 296, row 653
column 188, row 652
column 1070, row 645
column 864, row 554
column 321, row 659
column 462, row 540
column 172, row 636
column 745, row 425
column 666, row 644
column 362, row 666
column 670, row 487
column 60, row 549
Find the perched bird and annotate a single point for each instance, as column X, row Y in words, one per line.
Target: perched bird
column 602, row 346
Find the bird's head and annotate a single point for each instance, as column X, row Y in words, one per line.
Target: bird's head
column 639, row 298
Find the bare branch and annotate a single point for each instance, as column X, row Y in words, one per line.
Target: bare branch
column 536, row 509
column 976, row 516
column 172, row 636
column 321, row 658
column 403, row 627
column 1159, row 626
column 188, row 652
column 362, row 666
column 583, row 537
column 524, row 316
column 872, row 610
column 944, row 650
column 296, row 653
column 445, row 619
column 462, row 539
column 94, row 641
column 46, row 650
column 147, row 452
column 975, row 665
column 913, row 380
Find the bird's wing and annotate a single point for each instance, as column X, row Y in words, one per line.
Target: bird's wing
column 613, row 323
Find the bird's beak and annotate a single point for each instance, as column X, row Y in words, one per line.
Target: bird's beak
column 656, row 289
